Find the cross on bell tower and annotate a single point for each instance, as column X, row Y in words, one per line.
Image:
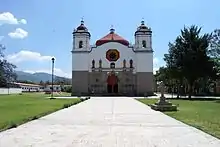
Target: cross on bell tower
column 82, row 20
column 112, row 30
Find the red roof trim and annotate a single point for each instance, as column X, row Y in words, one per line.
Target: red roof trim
column 112, row 37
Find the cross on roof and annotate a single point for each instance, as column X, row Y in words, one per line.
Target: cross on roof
column 82, row 20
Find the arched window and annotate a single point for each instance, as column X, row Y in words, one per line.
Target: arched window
column 112, row 65
column 131, row 63
column 93, row 63
column 80, row 44
column 144, row 45
column 124, row 63
column 100, row 63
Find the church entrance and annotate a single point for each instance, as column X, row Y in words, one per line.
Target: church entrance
column 112, row 83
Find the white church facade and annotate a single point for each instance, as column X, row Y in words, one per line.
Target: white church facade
column 112, row 66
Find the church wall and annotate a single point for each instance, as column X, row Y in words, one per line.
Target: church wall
column 80, row 75
column 100, row 53
column 80, row 61
column 144, row 81
column 127, row 83
column 144, row 75
column 144, row 61
column 80, row 82
column 97, row 82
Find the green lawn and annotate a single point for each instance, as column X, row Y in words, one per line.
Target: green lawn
column 203, row 115
column 18, row 109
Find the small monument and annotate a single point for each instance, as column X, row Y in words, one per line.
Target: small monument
column 163, row 104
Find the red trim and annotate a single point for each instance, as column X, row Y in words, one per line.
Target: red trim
column 112, row 37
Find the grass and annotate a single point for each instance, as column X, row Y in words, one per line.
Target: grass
column 18, row 109
column 203, row 115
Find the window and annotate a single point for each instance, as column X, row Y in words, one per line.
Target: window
column 112, row 65
column 144, row 44
column 80, row 44
column 93, row 63
column 131, row 63
column 124, row 63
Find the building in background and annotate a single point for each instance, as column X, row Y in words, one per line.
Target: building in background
column 37, row 88
column 112, row 66
column 30, row 87
column 56, row 88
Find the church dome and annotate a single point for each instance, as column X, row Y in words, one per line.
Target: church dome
column 112, row 37
column 81, row 29
column 143, row 28
column 82, row 26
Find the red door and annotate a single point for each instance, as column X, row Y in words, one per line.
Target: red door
column 112, row 83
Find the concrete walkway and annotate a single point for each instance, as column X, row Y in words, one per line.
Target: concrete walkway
column 106, row 122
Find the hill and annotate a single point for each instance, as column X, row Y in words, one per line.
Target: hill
column 37, row 77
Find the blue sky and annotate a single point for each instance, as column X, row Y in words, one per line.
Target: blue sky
column 41, row 29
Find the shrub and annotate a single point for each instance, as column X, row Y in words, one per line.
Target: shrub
column 218, row 101
column 66, row 105
column 12, row 125
column 47, row 92
column 67, row 89
column 70, row 104
column 35, row 117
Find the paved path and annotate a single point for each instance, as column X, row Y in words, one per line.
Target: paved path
column 106, row 122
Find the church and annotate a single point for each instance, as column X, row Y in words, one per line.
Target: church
column 112, row 66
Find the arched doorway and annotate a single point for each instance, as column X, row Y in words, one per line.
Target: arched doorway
column 112, row 83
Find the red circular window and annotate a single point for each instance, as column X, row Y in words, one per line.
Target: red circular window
column 112, row 55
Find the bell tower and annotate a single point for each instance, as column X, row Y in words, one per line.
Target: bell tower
column 80, row 59
column 143, row 38
column 144, row 55
column 81, row 38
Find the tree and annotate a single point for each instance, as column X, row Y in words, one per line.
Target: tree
column 215, row 44
column 188, row 58
column 214, row 50
column 47, row 83
column 41, row 83
column 25, row 81
column 7, row 73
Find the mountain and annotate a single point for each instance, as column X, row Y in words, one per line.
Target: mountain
column 37, row 77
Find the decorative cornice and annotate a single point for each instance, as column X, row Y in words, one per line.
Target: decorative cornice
column 74, row 33
column 143, row 51
column 135, row 51
column 147, row 32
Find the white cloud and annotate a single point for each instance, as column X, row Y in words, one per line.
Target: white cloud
column 8, row 18
column 57, row 72
column 157, row 64
column 1, row 38
column 25, row 55
column 23, row 21
column 18, row 34
column 155, row 70
column 155, row 61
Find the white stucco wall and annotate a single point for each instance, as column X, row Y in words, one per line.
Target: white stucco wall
column 144, row 61
column 100, row 53
column 80, row 61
